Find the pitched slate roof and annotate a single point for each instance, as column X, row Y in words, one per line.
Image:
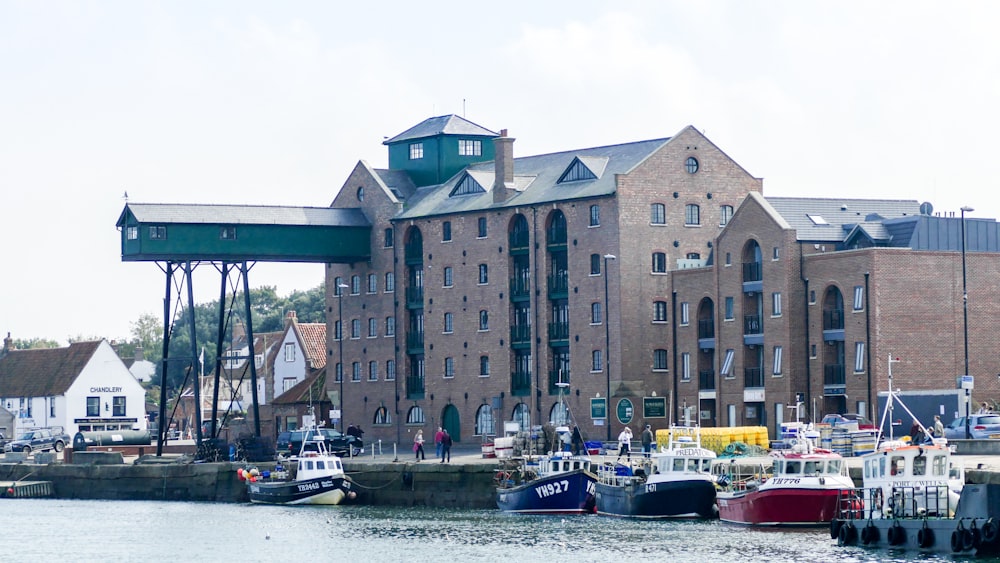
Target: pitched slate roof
column 181, row 213
column 535, row 180
column 44, row 372
column 442, row 125
column 839, row 215
column 312, row 387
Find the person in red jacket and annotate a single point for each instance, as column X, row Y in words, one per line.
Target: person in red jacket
column 437, row 441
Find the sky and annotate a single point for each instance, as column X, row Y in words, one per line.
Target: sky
column 273, row 103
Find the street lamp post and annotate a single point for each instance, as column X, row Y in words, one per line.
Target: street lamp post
column 965, row 323
column 607, row 342
column 340, row 346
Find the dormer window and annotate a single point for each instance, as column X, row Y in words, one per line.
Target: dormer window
column 469, row 147
column 416, row 151
column 467, row 186
column 577, row 171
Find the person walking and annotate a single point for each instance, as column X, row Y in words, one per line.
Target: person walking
column 437, row 441
column 647, row 441
column 577, row 441
column 445, row 446
column 418, row 445
column 625, row 444
column 938, row 427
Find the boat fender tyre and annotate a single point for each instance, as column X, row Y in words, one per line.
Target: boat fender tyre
column 846, row 535
column 835, row 525
column 990, row 531
column 896, row 535
column 869, row 534
column 970, row 539
column 956, row 540
column 925, row 537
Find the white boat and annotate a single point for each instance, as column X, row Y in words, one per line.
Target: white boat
column 318, row 478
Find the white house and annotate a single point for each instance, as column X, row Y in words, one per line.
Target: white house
column 83, row 387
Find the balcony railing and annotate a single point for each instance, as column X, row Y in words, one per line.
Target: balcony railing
column 520, row 288
column 706, row 328
column 833, row 319
column 520, row 383
column 706, row 380
column 520, row 334
column 414, row 342
column 414, row 387
column 554, row 379
column 415, row 297
column 752, row 324
column 518, row 240
column 753, row 377
column 834, row 374
column 559, row 284
column 752, row 272
column 558, row 331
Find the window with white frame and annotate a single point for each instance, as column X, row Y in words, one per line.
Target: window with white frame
column 449, row 323
column 118, row 405
column 686, row 366
column 659, row 359
column 356, row 371
column 595, row 313
column 859, row 357
column 692, row 214
column 289, row 352
column 372, row 371
column 132, row 233
column 659, row 311
column 776, row 304
column 859, row 298
column 484, row 320
column 481, row 233
column 449, row 276
column 355, row 285
column 390, row 370
column 372, row 283
column 415, row 416
column 725, row 215
column 659, row 262
column 390, row 282
column 390, row 326
column 595, row 264
column 355, row 328
column 595, row 215
column 775, row 253
column 449, row 367
column 372, row 327
column 52, row 407
column 727, row 362
column 485, row 425
column 777, row 361
column 382, row 417
column 484, row 366
column 685, row 316
column 595, row 360
column 470, row 147
column 416, row 151
column 484, row 274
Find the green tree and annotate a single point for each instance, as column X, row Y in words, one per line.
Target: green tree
column 34, row 343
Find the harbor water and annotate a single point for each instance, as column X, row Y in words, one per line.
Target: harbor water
column 86, row 530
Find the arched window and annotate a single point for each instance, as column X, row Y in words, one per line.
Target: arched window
column 485, row 425
column 692, row 214
column 658, row 214
column 725, row 214
column 559, row 415
column 659, row 262
column 522, row 416
column 415, row 415
column 382, row 417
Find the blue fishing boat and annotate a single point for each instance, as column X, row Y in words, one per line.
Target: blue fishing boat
column 558, row 483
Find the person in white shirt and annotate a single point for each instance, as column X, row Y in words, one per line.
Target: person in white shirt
column 625, row 444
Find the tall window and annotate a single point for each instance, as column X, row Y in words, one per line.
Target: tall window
column 133, row 233
column 372, row 371
column 290, row 352
column 118, row 406
column 659, row 359
column 686, row 366
column 484, row 274
column 595, row 313
column 449, row 276
column 355, row 328
column 658, row 214
column 93, row 406
column 595, row 264
column 449, row 322
column 390, row 370
column 338, row 330
column 372, row 327
column 685, row 318
column 338, row 372
column 727, row 362
column 484, row 366
column 52, row 406
column 659, row 311
column 356, row 371
column 485, row 425
column 692, row 214
column 449, row 367
column 372, row 283
column 446, row 231
column 482, row 227
column 729, row 309
column 390, row 326
column 595, row 215
column 387, row 238
column 484, row 320
column 416, row 151
column 859, row 357
column 725, row 215
column 595, row 360
column 859, row 298
column 777, row 360
column 390, row 282
column 659, row 262
column 776, row 304
column 337, row 282
column 355, row 285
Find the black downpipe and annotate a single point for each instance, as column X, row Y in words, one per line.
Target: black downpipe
column 868, row 347
column 673, row 347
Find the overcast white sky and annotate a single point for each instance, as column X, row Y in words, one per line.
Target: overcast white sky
column 274, row 102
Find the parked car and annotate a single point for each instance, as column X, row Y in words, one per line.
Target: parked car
column 838, row 419
column 39, row 440
column 981, row 426
column 289, row 443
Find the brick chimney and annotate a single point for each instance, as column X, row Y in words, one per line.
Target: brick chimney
column 139, row 356
column 8, row 344
column 239, row 332
column 503, row 166
column 290, row 319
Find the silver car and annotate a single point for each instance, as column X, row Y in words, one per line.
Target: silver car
column 981, row 426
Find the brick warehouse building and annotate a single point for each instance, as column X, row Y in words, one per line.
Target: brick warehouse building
column 527, row 289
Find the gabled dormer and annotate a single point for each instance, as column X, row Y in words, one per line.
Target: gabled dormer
column 583, row 168
column 467, row 186
column 437, row 148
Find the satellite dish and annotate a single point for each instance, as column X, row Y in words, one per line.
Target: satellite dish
column 926, row 208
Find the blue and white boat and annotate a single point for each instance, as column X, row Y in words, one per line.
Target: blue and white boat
column 558, row 483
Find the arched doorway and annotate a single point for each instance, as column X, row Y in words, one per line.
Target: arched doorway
column 451, row 422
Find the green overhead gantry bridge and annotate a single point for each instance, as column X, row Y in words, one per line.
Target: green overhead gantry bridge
column 232, row 238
